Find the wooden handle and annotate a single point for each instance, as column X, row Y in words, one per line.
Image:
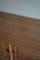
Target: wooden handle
column 10, row 51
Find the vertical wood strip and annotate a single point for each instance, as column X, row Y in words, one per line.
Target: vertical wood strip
column 4, row 49
column 15, row 48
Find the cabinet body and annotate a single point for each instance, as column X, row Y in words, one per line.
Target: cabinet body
column 24, row 33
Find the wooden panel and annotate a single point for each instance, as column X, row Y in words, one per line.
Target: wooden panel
column 22, row 32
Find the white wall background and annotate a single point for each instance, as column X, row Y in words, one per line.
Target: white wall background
column 29, row 8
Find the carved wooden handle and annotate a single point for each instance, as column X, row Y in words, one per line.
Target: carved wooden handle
column 10, row 51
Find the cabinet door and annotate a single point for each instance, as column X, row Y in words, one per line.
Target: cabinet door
column 7, row 51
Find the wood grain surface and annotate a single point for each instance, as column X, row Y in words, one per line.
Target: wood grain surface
column 23, row 32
